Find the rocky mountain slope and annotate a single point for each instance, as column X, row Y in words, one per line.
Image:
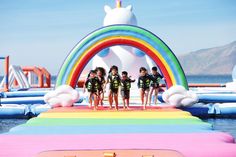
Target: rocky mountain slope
column 212, row 61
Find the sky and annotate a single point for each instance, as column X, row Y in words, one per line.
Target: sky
column 42, row 32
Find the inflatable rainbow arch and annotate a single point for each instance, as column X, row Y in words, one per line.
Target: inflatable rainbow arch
column 129, row 35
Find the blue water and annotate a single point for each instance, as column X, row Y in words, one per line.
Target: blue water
column 221, row 79
column 7, row 124
column 224, row 125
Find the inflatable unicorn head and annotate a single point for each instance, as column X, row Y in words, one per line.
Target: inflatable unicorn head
column 125, row 57
column 119, row 15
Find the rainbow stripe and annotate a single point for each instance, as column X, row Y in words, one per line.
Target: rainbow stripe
column 113, row 35
column 69, row 129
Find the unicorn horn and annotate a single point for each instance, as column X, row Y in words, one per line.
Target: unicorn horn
column 118, row 3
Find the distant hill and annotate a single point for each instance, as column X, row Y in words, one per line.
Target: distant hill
column 212, row 61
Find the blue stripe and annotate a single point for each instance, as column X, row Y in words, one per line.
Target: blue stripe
column 110, row 129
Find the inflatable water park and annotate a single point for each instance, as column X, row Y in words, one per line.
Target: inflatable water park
column 63, row 124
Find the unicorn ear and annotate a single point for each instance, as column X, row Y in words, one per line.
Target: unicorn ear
column 107, row 8
column 129, row 7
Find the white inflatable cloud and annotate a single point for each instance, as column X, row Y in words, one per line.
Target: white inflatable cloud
column 179, row 96
column 63, row 96
column 231, row 86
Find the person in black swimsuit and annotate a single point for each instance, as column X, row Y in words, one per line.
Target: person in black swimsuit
column 114, row 80
column 91, row 84
column 154, row 86
column 143, row 85
column 101, row 73
column 125, row 88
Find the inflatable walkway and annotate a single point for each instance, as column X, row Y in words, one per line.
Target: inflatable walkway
column 81, row 132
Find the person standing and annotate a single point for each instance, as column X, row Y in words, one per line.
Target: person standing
column 91, row 85
column 101, row 73
column 144, row 85
column 125, row 88
column 114, row 80
column 155, row 85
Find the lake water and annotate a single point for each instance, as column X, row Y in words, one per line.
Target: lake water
column 224, row 125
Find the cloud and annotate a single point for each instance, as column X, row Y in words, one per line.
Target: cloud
column 62, row 96
column 179, row 96
column 231, row 85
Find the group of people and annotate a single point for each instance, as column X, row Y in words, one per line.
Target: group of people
column 96, row 86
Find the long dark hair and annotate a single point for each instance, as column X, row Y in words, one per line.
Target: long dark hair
column 91, row 71
column 113, row 67
column 103, row 71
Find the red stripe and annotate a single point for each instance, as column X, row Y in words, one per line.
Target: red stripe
column 113, row 42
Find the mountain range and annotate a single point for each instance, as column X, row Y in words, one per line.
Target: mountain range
column 211, row 61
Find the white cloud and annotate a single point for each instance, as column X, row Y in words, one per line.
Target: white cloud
column 63, row 96
column 179, row 96
column 231, row 85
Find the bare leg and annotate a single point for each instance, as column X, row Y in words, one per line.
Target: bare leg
column 95, row 101
column 101, row 98
column 142, row 95
column 124, row 106
column 127, row 103
column 156, row 95
column 98, row 97
column 150, row 96
column 116, row 100
column 110, row 98
column 90, row 100
column 146, row 92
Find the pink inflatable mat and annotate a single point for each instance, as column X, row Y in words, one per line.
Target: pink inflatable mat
column 190, row 145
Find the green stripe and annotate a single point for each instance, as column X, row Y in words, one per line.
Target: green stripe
column 85, row 121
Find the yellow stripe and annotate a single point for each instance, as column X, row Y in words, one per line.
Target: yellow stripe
column 128, row 38
column 133, row 115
